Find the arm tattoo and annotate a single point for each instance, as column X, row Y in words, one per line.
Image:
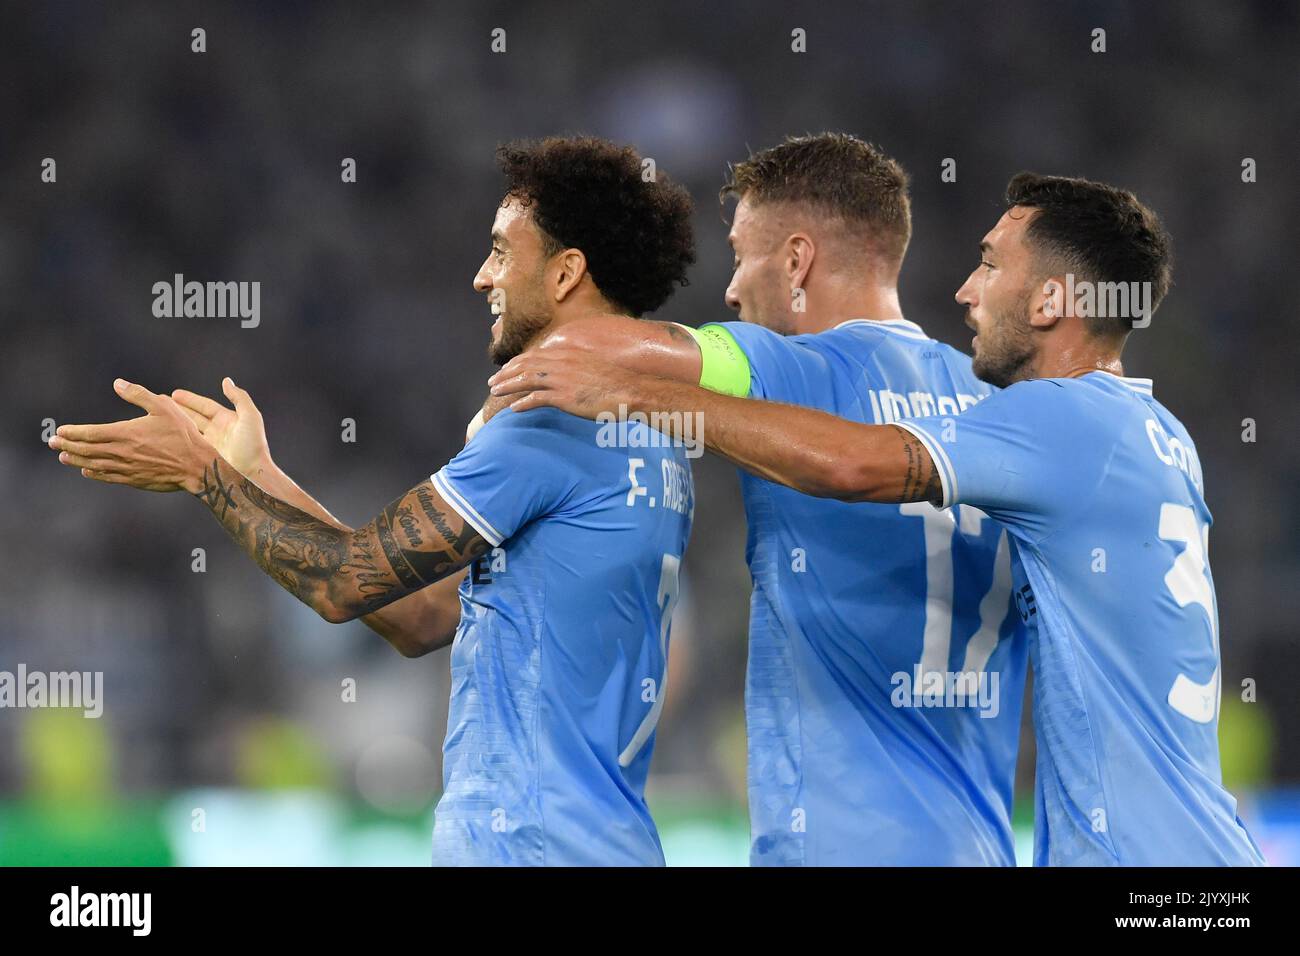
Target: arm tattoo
column 413, row 542
column 215, row 494
column 289, row 544
column 921, row 479
column 677, row 333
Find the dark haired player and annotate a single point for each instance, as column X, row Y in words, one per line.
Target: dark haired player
column 559, row 663
column 886, row 671
column 1099, row 487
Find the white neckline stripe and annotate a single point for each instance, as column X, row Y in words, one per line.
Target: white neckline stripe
column 903, row 327
column 1144, row 385
column 463, row 508
column 943, row 464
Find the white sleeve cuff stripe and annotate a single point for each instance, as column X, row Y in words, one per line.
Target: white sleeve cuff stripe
column 465, row 509
column 947, row 477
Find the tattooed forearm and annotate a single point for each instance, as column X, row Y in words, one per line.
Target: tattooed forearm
column 921, row 478
column 342, row 574
column 417, row 567
column 431, row 512
column 461, row 540
column 407, row 523
column 373, row 583
column 215, row 493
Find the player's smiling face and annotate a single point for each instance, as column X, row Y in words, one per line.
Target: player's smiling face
column 997, row 296
column 512, row 278
column 759, row 289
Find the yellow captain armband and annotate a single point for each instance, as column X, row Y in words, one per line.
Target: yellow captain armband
column 724, row 366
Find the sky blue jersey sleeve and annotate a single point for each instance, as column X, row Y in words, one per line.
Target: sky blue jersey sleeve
column 1023, row 455
column 518, row 467
column 783, row 368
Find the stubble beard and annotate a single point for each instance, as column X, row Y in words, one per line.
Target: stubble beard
column 519, row 327
column 1009, row 357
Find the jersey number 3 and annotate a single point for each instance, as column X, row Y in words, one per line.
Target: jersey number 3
column 1189, row 584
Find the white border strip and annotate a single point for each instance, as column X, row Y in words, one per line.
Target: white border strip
column 947, row 477
column 1138, row 384
column 465, row 509
column 904, row 327
column 1143, row 385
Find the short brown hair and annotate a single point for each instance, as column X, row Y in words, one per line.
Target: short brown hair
column 1101, row 232
column 837, row 174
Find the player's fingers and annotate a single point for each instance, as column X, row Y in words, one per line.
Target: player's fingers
column 105, row 432
column 507, row 385
column 527, row 380
column 201, row 422
column 532, row 400
column 104, row 476
column 94, row 464
column 199, row 404
column 242, row 401
column 88, row 449
column 518, row 364
column 136, row 395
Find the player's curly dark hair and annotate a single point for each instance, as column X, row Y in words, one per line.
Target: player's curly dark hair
column 589, row 194
column 1101, row 232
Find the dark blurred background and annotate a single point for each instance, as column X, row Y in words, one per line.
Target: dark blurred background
column 222, row 693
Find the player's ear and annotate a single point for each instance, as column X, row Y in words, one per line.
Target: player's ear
column 572, row 267
column 1049, row 304
column 800, row 252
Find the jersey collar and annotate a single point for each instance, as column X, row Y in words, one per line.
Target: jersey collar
column 903, row 326
column 1141, row 385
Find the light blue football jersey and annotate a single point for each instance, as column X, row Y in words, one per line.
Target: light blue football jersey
column 1102, row 492
column 886, row 666
column 559, row 664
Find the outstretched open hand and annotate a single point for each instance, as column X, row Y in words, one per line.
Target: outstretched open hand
column 238, row 434
column 161, row 450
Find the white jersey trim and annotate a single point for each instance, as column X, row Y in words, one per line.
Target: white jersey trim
column 466, row 510
column 903, row 327
column 942, row 463
column 1143, row 385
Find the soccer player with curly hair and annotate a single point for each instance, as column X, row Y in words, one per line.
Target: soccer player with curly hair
column 575, row 540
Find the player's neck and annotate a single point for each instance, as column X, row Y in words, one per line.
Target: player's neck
column 828, row 308
column 572, row 312
column 1078, row 358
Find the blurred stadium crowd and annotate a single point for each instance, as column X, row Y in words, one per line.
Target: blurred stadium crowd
column 225, row 166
